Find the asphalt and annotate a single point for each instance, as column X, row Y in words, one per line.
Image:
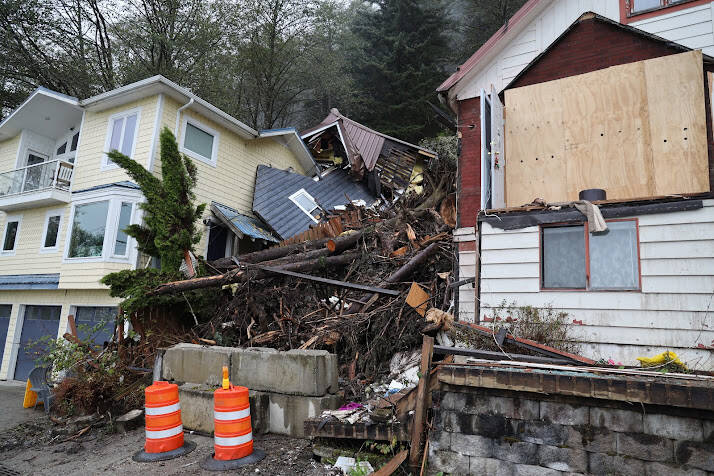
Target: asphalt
column 11, row 412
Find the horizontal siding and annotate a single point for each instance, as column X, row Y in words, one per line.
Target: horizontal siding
column 673, row 310
column 8, row 153
column 683, row 26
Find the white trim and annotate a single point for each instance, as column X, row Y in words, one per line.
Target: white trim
column 213, row 160
column 79, row 146
column 108, row 138
column 233, row 440
column 129, row 239
column 15, row 342
column 51, row 213
column 156, row 134
column 157, row 434
column 230, row 416
column 47, row 92
column 165, row 410
column 307, row 212
column 10, row 219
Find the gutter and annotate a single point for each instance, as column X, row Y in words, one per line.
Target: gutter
column 178, row 115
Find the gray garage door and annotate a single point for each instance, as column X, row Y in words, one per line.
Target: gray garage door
column 39, row 322
column 5, row 310
column 96, row 323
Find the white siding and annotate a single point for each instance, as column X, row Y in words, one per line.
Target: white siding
column 691, row 27
column 674, row 310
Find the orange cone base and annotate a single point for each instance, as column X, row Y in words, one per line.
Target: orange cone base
column 225, row 453
column 210, row 463
column 144, row 457
column 164, row 445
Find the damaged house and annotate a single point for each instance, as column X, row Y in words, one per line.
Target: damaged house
column 573, row 96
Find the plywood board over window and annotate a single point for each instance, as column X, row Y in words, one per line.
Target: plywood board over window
column 635, row 130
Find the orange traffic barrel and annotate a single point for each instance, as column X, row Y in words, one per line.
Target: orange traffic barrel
column 164, row 430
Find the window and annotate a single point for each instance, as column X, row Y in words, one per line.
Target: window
column 5, row 310
column 121, row 135
column 122, row 239
column 95, row 323
column 53, row 220
column 68, row 147
column 12, row 230
column 88, row 227
column 637, row 7
column 199, row 141
column 306, row 203
column 572, row 258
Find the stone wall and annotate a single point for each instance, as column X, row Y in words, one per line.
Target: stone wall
column 488, row 431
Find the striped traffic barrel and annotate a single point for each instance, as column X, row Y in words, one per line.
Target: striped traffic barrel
column 232, row 427
column 164, row 430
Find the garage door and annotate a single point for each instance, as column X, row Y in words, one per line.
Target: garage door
column 96, row 323
column 39, row 322
column 5, row 310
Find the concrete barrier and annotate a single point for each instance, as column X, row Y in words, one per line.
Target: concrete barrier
column 197, row 409
column 193, row 363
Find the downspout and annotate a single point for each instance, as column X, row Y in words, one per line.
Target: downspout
column 178, row 116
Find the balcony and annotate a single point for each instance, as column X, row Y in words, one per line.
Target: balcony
column 38, row 185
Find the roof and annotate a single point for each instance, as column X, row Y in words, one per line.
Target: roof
column 45, row 103
column 29, row 281
column 357, row 139
column 518, row 18
column 123, row 184
column 243, row 224
column 273, row 188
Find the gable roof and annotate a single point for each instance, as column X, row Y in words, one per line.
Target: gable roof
column 273, row 188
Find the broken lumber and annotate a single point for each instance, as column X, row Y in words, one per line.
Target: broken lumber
column 342, row 284
column 270, row 253
column 427, row 349
column 391, row 466
column 491, row 355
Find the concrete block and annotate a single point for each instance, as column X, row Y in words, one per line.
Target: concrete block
column 489, row 405
column 591, row 438
column 563, row 459
column 645, row 447
column 530, row 470
column 440, row 440
column 448, row 462
column 192, row 363
column 696, row 454
column 564, row 413
column 599, row 463
column 197, row 409
column 542, row 433
column 453, row 401
column 472, row 445
column 490, row 467
column 521, row 452
column 289, row 412
column 658, row 469
column 526, row 409
column 616, row 420
column 295, row 372
column 708, row 427
column 677, row 428
column 259, row 411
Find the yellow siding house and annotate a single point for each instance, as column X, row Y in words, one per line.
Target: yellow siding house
column 64, row 204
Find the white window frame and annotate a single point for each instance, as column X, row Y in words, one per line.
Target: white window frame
column 10, row 219
column 307, row 212
column 51, row 213
column 106, row 163
column 111, row 224
column 213, row 159
column 116, row 229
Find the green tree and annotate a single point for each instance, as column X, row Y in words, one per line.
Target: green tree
column 397, row 65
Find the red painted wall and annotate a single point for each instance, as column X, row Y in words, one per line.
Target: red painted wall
column 469, row 198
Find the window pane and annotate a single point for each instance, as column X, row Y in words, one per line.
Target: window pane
column 10, row 236
column 564, row 257
column 613, row 257
column 95, row 323
column 75, row 140
column 43, row 313
column 642, row 5
column 198, row 141
column 88, row 229
column 52, row 231
column 62, row 149
column 116, row 134
column 5, row 310
column 128, row 144
column 122, row 237
column 305, row 201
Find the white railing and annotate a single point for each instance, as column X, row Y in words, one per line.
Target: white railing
column 55, row 174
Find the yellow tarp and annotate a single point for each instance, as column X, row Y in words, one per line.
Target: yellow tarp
column 661, row 359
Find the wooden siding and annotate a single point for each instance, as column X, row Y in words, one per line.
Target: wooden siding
column 673, row 311
column 8, row 153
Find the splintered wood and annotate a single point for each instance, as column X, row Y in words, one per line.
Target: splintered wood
column 635, row 130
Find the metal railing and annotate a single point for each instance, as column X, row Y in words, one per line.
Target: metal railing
column 34, row 178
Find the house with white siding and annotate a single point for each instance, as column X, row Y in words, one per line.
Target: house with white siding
column 576, row 95
column 64, row 204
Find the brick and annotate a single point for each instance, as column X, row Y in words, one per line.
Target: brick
column 472, row 445
column 599, row 463
column 448, row 462
column 562, row 459
column 512, row 451
column 658, row 469
column 564, row 413
column 677, row 428
column 696, row 454
column 645, row 447
column 616, row 420
column 490, row 467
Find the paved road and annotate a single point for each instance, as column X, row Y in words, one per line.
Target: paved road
column 11, row 411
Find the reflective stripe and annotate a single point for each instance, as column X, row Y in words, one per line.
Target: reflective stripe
column 150, row 411
column 154, row 435
column 233, row 440
column 227, row 416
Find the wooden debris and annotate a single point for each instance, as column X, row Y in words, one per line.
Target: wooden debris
column 392, row 465
column 421, row 403
column 418, row 299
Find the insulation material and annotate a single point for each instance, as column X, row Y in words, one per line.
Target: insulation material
column 635, row 130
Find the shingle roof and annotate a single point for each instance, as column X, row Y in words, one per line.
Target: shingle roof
column 14, row 282
column 247, row 225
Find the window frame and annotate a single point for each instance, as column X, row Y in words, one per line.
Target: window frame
column 666, row 6
column 587, row 287
column 106, row 163
column 51, row 213
column 307, row 212
column 10, row 219
column 116, row 230
column 213, row 160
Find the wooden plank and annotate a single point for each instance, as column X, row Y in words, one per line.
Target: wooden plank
column 678, row 249
column 678, row 284
column 421, row 397
column 342, row 284
column 491, row 355
column 510, row 241
column 677, row 232
column 677, row 267
column 392, row 465
column 510, row 270
column 524, row 255
column 675, row 94
column 515, row 285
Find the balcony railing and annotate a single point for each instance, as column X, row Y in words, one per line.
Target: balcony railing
column 55, row 174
